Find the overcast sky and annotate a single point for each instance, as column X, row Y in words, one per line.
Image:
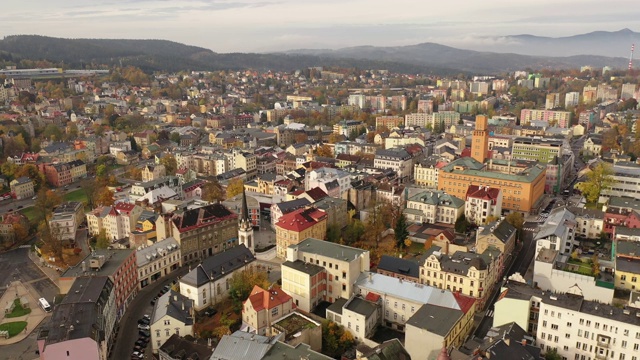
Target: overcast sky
column 270, row 25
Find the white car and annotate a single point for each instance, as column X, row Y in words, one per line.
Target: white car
column 143, row 327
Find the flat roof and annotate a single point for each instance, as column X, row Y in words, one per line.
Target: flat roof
column 113, row 260
column 328, row 249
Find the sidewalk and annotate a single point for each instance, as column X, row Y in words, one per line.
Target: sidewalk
column 48, row 271
column 33, row 319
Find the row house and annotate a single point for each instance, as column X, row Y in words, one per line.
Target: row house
column 157, row 260
column 172, row 314
column 201, row 232
column 118, row 221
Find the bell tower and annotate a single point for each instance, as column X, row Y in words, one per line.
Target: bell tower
column 245, row 226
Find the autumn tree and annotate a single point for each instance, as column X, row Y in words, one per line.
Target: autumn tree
column 51, row 239
column 335, row 339
column 324, row 151
column 170, row 164
column 102, row 242
column 242, row 282
column 46, row 201
column 301, row 138
column 134, row 173
column 516, row 219
column 353, row 232
column 20, row 232
column 212, row 191
column 400, row 231
column 599, row 178
column 104, row 197
column 32, row 172
column 235, row 187
column 89, row 186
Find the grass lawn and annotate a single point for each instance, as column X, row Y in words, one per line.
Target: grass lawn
column 416, row 248
column 14, row 328
column 78, row 195
column 582, row 267
column 18, row 310
column 30, row 213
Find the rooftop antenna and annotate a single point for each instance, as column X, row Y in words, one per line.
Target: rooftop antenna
column 631, row 57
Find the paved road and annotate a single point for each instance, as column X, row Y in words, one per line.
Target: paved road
column 25, row 349
column 16, row 265
column 13, row 204
column 128, row 325
column 526, row 254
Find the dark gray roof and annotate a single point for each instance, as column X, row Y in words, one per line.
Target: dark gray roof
column 214, row 267
column 388, row 350
column 307, row 268
column 175, row 305
column 282, row 351
column 177, row 347
column 503, row 231
column 361, row 306
column 435, row 319
column 242, row 346
column 399, row 266
column 337, row 306
column 289, row 206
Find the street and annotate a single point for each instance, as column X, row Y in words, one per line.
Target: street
column 16, row 265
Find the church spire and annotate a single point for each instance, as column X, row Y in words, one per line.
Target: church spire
column 244, row 215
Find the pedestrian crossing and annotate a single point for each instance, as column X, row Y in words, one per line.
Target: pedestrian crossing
column 529, row 229
column 489, row 313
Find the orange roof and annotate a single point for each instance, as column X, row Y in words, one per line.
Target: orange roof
column 373, row 297
column 464, row 302
column 267, row 299
column 301, row 219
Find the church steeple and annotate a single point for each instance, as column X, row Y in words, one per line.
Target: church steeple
column 245, row 226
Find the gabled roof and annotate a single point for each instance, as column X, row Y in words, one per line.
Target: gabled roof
column 216, row 266
column 482, row 192
column 203, row 216
column 399, row 266
column 301, row 219
column 261, row 299
column 174, row 305
column 502, row 231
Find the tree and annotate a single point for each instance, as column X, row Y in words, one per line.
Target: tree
column 552, row 355
column 175, row 137
column 104, row 197
column 242, row 282
column 50, row 237
column 212, row 192
column 516, row 219
column 401, row 232
column 353, row 232
column 334, row 138
column 599, row 178
column 46, row 201
column 170, row 164
column 52, row 132
column 20, row 232
column 333, row 233
column 335, row 340
column 89, row 187
column 102, row 242
column 461, row 224
column 235, row 187
column 101, row 170
column 31, row 171
column 134, row 173
column 301, row 138
column 324, row 151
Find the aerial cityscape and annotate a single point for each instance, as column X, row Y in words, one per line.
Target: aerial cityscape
column 291, row 192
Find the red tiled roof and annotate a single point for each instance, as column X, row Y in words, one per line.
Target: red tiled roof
column 301, row 219
column 316, row 194
column 483, row 192
column 466, row 152
column 464, row 302
column 373, row 297
column 125, row 208
column 267, row 299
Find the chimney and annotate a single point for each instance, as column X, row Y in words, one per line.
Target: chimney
column 370, row 277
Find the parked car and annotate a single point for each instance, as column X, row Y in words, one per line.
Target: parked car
column 20, row 206
column 146, row 316
column 210, row 312
column 33, row 198
column 143, row 327
column 143, row 321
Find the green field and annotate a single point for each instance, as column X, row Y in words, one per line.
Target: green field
column 18, row 310
column 14, row 328
column 30, row 213
column 78, row 195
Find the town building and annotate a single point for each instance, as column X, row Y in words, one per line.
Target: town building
column 317, row 270
column 157, row 260
column 396, row 159
column 177, row 347
column 201, row 231
column 65, row 220
column 117, row 221
column 209, row 282
column 499, row 234
column 482, row 203
column 263, row 308
column 359, row 316
column 334, row 182
column 153, row 172
column 434, row 207
column 22, row 188
column 83, row 324
column 118, row 265
column 172, row 314
column 294, row 227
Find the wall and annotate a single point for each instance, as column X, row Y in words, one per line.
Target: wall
column 547, row 278
column 508, row 310
column 422, row 344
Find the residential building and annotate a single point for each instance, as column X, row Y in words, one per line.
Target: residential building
column 297, row 329
column 571, row 99
column 117, row 221
column 263, row 308
column 389, row 122
column 508, row 341
column 434, row 207
column 592, row 146
column 348, row 127
column 482, row 203
column 626, row 181
column 298, row 225
column 552, row 101
column 470, row 274
column 430, row 318
column 83, row 324
column 235, row 204
column 9, row 222
column 279, row 209
column 201, row 232
column 405, row 269
column 499, row 234
column 336, row 210
column 22, row 188
column 242, row 345
column 172, row 314
column 568, row 323
column 628, row 91
column 157, row 260
column 335, row 183
column 589, row 222
column 537, row 149
column 177, row 347
column 118, row 265
column 209, row 282
column 317, row 270
column 426, row 172
column 139, row 190
column 627, row 264
column 153, row 172
column 558, row 118
column 557, row 232
column 65, row 220
column 396, row 159
column 359, row 316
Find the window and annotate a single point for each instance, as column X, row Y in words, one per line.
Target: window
column 554, row 327
column 274, row 311
column 167, row 322
column 166, row 332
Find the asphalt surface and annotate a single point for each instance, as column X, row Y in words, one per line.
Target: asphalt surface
column 127, row 333
column 15, row 265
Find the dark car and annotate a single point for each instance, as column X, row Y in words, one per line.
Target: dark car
column 145, row 333
column 20, row 206
column 211, row 312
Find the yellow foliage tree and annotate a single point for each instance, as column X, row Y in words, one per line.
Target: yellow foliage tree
column 234, row 188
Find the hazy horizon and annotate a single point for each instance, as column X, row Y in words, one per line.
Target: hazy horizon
column 277, row 25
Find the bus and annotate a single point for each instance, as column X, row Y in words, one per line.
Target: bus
column 44, row 304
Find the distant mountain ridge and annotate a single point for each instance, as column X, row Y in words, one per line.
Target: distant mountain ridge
column 164, row 55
